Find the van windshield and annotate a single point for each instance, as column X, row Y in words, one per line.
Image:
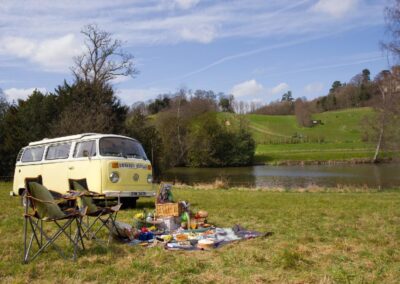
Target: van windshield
column 121, row 147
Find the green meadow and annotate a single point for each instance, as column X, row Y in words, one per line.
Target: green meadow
column 324, row 236
column 280, row 139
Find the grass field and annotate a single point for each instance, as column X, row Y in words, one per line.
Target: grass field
column 338, row 138
column 323, row 237
column 343, row 126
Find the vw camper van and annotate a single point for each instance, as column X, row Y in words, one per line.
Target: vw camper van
column 113, row 165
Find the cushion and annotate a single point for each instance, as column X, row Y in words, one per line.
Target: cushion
column 45, row 210
column 84, row 200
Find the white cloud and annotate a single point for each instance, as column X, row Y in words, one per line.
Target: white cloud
column 314, row 88
column 153, row 22
column 186, row 4
column 279, row 89
column 14, row 94
column 121, row 79
column 247, row 89
column 130, row 96
column 335, row 8
column 19, row 47
column 52, row 54
column 253, row 91
column 144, row 22
column 201, row 33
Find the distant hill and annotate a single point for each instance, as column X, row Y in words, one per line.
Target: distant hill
column 343, row 126
column 339, row 138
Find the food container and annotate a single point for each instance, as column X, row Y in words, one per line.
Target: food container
column 205, row 244
column 169, row 223
column 168, row 209
column 202, row 214
column 181, row 237
column 193, row 224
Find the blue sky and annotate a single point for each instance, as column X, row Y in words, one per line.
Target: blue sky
column 256, row 50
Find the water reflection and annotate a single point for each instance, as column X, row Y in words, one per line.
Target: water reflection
column 384, row 175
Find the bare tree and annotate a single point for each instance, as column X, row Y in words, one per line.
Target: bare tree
column 387, row 108
column 392, row 18
column 103, row 58
column 3, row 103
column 302, row 112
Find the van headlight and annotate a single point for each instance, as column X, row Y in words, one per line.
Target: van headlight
column 114, row 177
column 150, row 178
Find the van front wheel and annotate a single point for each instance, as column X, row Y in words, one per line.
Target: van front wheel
column 128, row 202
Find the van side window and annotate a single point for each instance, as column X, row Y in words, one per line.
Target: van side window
column 32, row 154
column 60, row 151
column 89, row 147
column 19, row 156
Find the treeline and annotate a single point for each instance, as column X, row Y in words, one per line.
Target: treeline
column 360, row 91
column 183, row 130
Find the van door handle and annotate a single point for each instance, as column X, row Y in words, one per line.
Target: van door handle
column 70, row 168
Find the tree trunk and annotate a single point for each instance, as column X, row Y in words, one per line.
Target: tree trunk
column 382, row 126
column 378, row 146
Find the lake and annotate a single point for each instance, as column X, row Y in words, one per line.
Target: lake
column 382, row 175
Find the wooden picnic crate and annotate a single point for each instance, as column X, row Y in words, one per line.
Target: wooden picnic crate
column 168, row 209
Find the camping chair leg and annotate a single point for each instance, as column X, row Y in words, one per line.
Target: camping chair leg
column 70, row 233
column 79, row 224
column 50, row 241
column 34, row 232
column 41, row 235
column 112, row 217
column 69, row 236
column 76, row 240
column 25, row 235
column 27, row 249
column 88, row 233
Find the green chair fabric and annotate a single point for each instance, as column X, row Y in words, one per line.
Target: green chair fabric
column 45, row 204
column 84, row 200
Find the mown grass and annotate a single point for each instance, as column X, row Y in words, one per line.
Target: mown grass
column 323, row 237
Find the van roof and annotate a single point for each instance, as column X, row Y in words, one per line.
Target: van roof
column 74, row 137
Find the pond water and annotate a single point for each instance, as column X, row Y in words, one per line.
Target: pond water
column 382, row 175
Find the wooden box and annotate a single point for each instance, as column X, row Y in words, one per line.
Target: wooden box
column 168, row 209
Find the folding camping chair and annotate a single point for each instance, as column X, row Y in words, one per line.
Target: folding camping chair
column 40, row 208
column 105, row 216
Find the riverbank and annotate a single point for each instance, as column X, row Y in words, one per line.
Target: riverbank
column 320, row 237
column 319, row 154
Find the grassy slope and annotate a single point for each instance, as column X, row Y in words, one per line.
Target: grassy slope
column 341, row 134
column 318, row 238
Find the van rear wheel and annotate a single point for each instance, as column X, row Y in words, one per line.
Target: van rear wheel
column 128, row 202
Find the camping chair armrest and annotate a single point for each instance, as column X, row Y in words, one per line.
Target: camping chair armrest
column 116, row 208
column 82, row 212
column 95, row 194
column 73, row 194
column 56, row 202
column 85, row 193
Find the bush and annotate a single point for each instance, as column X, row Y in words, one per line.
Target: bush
column 213, row 143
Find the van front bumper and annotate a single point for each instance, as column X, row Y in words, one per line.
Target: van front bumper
column 129, row 193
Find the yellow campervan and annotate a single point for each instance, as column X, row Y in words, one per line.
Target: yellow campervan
column 111, row 164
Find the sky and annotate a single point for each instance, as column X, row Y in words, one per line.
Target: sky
column 256, row 50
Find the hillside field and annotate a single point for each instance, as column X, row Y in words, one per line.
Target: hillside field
column 280, row 139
